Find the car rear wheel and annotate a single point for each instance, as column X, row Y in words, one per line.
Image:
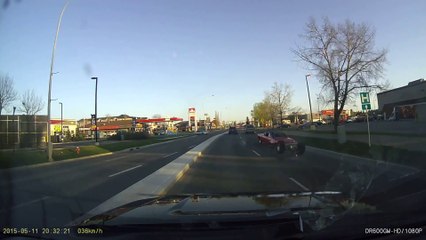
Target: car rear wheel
column 300, row 149
column 280, row 147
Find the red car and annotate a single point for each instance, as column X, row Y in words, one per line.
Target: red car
column 281, row 142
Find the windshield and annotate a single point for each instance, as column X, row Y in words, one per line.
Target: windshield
column 309, row 112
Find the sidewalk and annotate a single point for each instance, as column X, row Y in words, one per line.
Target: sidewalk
column 411, row 143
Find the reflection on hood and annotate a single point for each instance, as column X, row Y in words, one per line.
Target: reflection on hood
column 317, row 209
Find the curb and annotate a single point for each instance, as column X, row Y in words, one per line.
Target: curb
column 57, row 162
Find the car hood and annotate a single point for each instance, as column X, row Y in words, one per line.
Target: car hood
column 317, row 209
column 286, row 139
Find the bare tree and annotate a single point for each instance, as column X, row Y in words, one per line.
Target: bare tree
column 280, row 97
column 31, row 103
column 344, row 59
column 7, row 92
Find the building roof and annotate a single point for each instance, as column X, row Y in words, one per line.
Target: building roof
column 410, row 84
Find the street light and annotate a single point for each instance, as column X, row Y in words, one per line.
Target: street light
column 49, row 141
column 319, row 113
column 62, row 120
column 96, row 110
column 309, row 96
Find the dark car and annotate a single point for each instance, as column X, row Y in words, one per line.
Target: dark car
column 249, row 128
column 285, row 125
column 308, row 125
column 232, row 130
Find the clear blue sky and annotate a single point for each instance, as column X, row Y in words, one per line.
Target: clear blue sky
column 161, row 57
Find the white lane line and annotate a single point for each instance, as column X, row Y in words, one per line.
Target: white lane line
column 112, row 159
column 192, row 146
column 29, row 203
column 130, row 169
column 256, row 153
column 170, row 155
column 300, row 185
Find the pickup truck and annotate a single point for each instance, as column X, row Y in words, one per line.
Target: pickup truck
column 281, row 142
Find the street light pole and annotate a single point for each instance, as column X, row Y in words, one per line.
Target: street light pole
column 319, row 114
column 96, row 110
column 62, row 120
column 49, row 141
column 309, row 96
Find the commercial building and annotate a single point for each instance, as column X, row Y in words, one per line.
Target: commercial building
column 111, row 125
column 68, row 127
column 406, row 102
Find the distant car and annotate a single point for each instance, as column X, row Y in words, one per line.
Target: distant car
column 351, row 120
column 281, row 142
column 307, row 125
column 232, row 130
column 285, row 125
column 379, row 117
column 320, row 122
column 201, row 132
column 249, row 128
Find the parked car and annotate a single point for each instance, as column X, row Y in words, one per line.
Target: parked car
column 320, row 122
column 281, row 142
column 249, row 128
column 232, row 130
column 201, row 131
column 354, row 119
column 284, row 125
column 307, row 125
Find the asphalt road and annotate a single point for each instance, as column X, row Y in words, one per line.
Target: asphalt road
column 53, row 195
column 239, row 164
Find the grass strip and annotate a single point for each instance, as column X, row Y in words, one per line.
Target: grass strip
column 9, row 159
column 331, row 132
column 384, row 153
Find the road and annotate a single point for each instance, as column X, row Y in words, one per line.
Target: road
column 53, row 195
column 238, row 163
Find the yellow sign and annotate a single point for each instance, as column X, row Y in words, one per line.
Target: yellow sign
column 57, row 128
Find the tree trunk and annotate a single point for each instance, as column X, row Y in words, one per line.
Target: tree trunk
column 336, row 114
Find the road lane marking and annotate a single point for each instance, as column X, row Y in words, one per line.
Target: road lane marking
column 112, row 159
column 130, row 169
column 170, row 155
column 28, row 203
column 300, row 185
column 256, row 153
column 192, row 146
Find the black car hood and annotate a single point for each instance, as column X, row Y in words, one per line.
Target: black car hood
column 315, row 209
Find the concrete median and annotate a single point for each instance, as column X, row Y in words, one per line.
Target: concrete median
column 155, row 184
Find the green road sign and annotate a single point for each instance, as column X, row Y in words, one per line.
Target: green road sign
column 366, row 106
column 365, row 98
